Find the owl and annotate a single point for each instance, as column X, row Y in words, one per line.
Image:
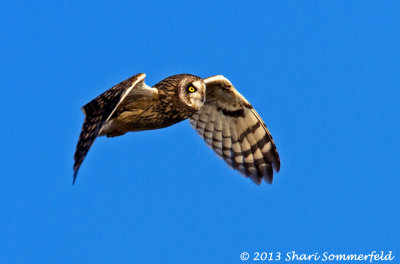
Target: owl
column 217, row 111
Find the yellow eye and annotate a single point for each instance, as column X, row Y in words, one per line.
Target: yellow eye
column 191, row 89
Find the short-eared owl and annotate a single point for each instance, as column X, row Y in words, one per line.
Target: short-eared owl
column 219, row 113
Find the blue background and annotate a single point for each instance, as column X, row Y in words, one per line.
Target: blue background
column 324, row 75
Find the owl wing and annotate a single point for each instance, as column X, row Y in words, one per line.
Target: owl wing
column 231, row 126
column 99, row 111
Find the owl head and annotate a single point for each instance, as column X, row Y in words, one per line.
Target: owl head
column 192, row 91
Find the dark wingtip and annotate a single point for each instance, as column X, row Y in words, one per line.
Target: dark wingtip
column 269, row 175
column 74, row 178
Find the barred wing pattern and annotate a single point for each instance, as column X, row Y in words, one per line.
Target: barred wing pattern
column 98, row 112
column 230, row 125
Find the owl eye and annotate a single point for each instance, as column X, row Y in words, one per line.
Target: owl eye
column 191, row 89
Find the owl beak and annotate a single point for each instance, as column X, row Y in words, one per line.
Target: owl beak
column 202, row 97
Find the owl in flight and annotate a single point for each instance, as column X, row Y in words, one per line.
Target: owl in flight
column 219, row 113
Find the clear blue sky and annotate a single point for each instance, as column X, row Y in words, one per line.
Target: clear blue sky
column 324, row 75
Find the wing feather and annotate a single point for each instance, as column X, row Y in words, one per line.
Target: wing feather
column 227, row 141
column 256, row 159
column 98, row 112
column 232, row 127
column 249, row 168
column 209, row 130
column 236, row 149
column 217, row 134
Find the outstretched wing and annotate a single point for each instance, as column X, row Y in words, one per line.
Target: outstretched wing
column 231, row 126
column 98, row 112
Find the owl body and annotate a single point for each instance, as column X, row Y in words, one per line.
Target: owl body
column 153, row 108
column 217, row 111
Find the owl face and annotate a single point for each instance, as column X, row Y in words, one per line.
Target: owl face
column 192, row 91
